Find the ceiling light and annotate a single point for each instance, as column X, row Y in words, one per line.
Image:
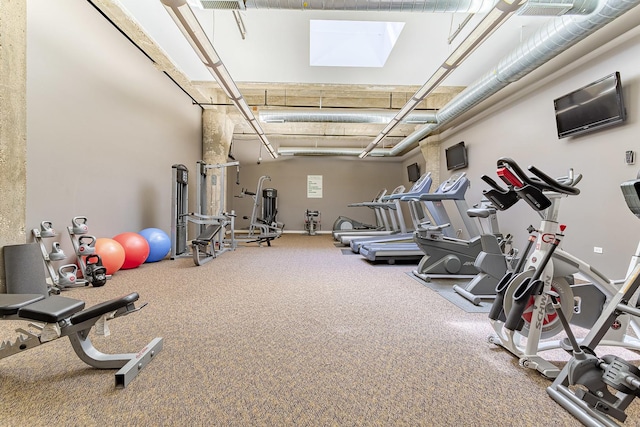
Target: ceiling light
column 190, row 27
column 502, row 10
column 196, row 4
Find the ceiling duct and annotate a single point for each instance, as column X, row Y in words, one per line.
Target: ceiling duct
column 427, row 6
column 548, row 42
column 546, row 8
column 223, row 4
column 341, row 115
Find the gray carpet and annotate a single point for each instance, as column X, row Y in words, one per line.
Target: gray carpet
column 289, row 335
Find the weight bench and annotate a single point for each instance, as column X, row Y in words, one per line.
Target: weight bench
column 59, row 317
column 203, row 246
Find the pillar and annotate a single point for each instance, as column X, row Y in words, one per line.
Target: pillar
column 217, row 133
column 430, row 148
column 13, row 125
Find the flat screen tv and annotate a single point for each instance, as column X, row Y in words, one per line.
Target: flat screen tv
column 594, row 106
column 413, row 170
column 456, row 156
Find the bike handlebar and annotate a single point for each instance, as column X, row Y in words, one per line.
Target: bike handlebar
column 555, row 184
column 541, row 180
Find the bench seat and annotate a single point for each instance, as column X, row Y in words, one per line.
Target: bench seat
column 51, row 310
column 11, row 303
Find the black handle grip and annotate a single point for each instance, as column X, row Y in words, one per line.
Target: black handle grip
column 553, row 183
column 496, row 310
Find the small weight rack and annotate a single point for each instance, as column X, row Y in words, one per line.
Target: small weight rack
column 90, row 263
column 65, row 276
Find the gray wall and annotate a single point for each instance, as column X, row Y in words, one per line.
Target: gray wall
column 344, row 181
column 524, row 129
column 104, row 126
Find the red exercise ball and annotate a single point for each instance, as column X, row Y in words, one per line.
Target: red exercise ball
column 136, row 249
column 111, row 254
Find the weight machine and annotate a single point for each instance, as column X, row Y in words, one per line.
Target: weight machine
column 311, row 222
column 212, row 230
column 267, row 228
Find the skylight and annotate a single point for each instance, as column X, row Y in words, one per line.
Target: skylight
column 352, row 43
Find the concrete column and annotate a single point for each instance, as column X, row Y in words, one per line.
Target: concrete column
column 217, row 133
column 430, row 148
column 13, row 125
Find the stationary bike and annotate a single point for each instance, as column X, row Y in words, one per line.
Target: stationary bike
column 521, row 310
column 606, row 385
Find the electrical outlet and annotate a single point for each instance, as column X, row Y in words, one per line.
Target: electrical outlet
column 597, row 249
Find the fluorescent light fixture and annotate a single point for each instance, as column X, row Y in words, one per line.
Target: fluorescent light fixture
column 327, row 151
column 351, row 43
column 188, row 24
column 502, row 10
column 195, row 4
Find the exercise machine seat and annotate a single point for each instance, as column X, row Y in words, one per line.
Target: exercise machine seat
column 207, row 234
column 52, row 309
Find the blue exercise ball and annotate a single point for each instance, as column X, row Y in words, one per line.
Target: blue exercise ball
column 159, row 243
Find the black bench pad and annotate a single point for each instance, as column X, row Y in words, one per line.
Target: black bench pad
column 208, row 233
column 104, row 308
column 11, row 303
column 52, row 309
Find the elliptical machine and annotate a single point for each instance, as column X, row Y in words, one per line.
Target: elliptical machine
column 344, row 223
column 446, row 256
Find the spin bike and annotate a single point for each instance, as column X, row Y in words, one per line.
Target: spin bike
column 608, row 384
column 521, row 310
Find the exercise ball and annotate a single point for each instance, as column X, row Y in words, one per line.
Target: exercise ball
column 159, row 243
column 111, row 254
column 136, row 249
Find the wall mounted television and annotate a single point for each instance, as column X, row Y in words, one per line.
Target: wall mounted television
column 413, row 170
column 595, row 106
column 456, row 156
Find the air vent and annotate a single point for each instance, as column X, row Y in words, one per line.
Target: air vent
column 539, row 8
column 228, row 5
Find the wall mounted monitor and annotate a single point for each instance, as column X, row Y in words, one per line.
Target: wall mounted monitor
column 456, row 156
column 594, row 106
column 413, row 170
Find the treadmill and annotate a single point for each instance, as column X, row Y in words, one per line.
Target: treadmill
column 390, row 207
column 408, row 250
column 421, row 186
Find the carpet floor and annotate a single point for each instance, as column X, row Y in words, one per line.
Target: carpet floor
column 295, row 334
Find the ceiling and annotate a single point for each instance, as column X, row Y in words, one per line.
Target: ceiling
column 329, row 110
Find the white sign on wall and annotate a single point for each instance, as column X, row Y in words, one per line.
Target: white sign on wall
column 314, row 186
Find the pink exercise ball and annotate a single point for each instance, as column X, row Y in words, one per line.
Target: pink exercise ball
column 136, row 249
column 111, row 254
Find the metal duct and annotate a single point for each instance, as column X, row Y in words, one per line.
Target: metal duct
column 428, row 6
column 341, row 115
column 549, row 41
